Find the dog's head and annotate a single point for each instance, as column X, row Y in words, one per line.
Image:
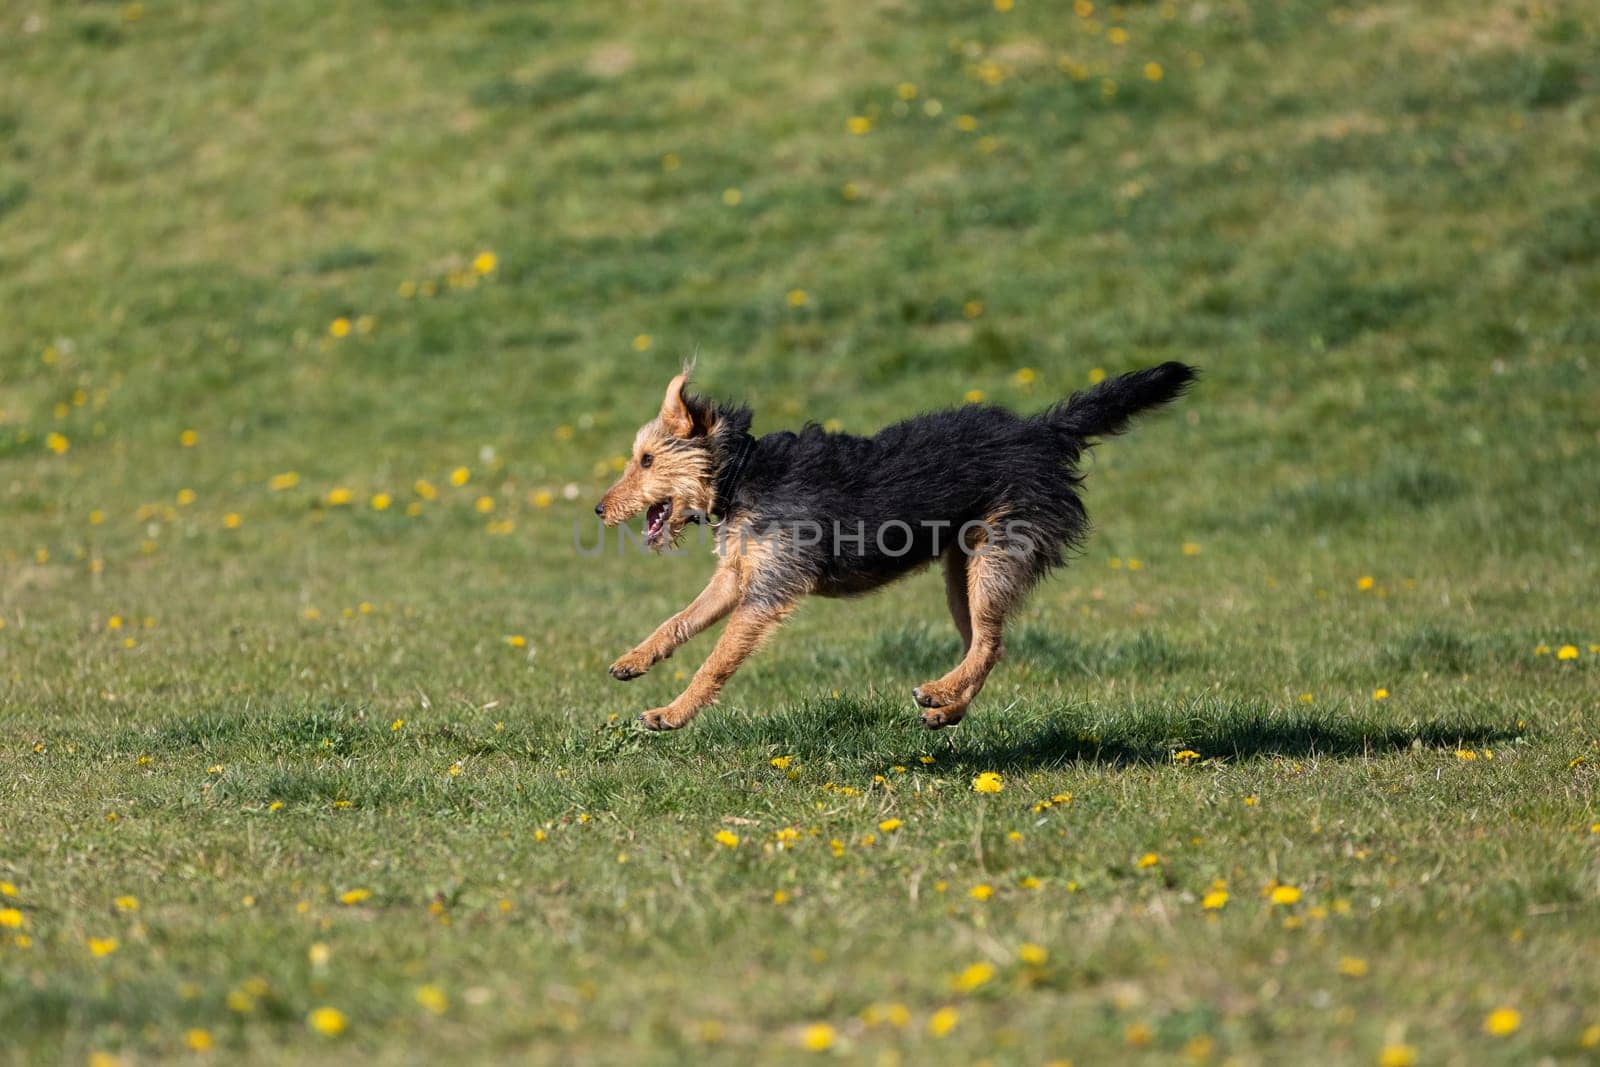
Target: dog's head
column 671, row 475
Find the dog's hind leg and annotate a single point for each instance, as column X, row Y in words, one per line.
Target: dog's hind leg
column 955, row 594
column 715, row 601
column 997, row 579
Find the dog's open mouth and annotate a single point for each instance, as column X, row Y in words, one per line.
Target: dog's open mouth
column 655, row 523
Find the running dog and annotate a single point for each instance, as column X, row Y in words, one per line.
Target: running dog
column 993, row 495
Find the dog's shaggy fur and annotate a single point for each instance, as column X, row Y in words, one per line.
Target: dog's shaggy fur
column 992, row 494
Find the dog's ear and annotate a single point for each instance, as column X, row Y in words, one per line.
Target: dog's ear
column 681, row 415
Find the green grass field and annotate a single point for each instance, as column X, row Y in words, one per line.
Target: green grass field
column 308, row 752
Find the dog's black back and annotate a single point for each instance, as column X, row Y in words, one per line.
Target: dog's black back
column 854, row 512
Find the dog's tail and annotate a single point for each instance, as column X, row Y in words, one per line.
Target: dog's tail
column 1107, row 408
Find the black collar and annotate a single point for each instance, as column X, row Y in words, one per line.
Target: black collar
column 730, row 474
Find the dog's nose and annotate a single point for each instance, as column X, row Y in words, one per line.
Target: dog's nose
column 600, row 510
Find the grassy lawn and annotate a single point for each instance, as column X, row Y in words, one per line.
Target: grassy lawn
column 324, row 325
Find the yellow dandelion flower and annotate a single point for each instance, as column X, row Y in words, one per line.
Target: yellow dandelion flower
column 1567, row 652
column 1380, row 693
column 103, row 946
column 339, row 327
column 1190, row 548
column 1284, row 894
column 198, row 1040
column 338, row 497
column 484, row 504
column 1502, row 1022
column 127, row 903
column 460, row 476
column 319, row 953
column 988, row 782
column 966, row 123
column 12, row 919
column 232, row 520
column 57, row 442
column 1365, row 583
column 186, row 497
column 1353, row 967
column 485, row 263
column 906, row 91
column 797, row 298
column 889, row 826
column 1025, row 376
column 975, row 976
column 943, row 1021
column 1117, row 35
column 982, row 891
column 1033, row 955
column 1186, row 756
column 517, row 641
column 279, row 482
column 329, row 1022
column 781, row 762
column 355, row 896
column 381, row 501
column 1590, row 1038
column 973, row 396
column 1138, row 1035
column 397, row 726
column 1153, row 71
column 818, row 1037
column 859, row 125
column 425, row 489
column 433, row 998
column 1003, row 6
column 1215, row 900
column 1398, row 1055
column 1150, row 859
column 1030, row 882
column 727, row 839
column 972, row 309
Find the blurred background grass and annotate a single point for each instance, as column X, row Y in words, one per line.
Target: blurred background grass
column 359, row 247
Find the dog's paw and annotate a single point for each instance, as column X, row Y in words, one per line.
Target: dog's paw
column 939, row 708
column 933, row 695
column 662, row 719
column 630, row 666
column 939, row 718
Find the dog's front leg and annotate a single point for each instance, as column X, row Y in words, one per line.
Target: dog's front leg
column 747, row 628
column 715, row 600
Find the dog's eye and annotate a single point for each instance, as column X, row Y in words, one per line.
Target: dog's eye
column 646, row 459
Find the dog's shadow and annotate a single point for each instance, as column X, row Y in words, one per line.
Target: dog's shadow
column 878, row 734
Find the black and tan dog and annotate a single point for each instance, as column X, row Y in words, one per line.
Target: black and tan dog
column 992, row 494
